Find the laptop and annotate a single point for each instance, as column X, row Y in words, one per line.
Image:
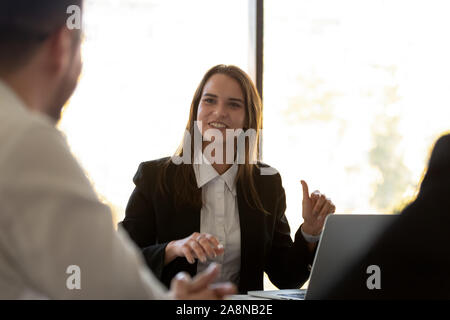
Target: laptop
column 344, row 239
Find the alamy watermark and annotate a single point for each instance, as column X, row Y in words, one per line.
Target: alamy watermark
column 374, row 281
column 214, row 151
column 74, row 20
column 240, row 147
column 73, row 282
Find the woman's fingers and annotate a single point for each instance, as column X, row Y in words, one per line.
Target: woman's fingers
column 217, row 246
column 219, row 250
column 201, row 246
column 314, row 215
column 208, row 246
column 333, row 207
column 315, row 196
column 326, row 209
column 191, row 249
column 214, row 247
column 198, row 250
column 319, row 205
column 305, row 190
column 323, row 207
column 188, row 254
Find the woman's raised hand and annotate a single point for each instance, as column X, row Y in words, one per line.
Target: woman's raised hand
column 315, row 209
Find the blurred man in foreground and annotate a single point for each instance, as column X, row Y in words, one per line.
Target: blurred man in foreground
column 52, row 226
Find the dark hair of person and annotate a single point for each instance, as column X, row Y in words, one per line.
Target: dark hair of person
column 24, row 26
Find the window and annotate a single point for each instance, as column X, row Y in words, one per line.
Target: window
column 143, row 61
column 355, row 94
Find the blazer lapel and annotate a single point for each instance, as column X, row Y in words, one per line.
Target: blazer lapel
column 251, row 245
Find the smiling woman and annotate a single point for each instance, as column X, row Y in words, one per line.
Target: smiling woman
column 226, row 84
column 183, row 216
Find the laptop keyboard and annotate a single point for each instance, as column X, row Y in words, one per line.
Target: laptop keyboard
column 293, row 296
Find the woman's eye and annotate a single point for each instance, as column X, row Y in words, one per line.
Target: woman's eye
column 208, row 100
column 235, row 105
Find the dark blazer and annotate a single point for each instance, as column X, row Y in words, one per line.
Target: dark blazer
column 414, row 253
column 152, row 221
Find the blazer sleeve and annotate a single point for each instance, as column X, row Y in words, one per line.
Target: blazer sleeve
column 140, row 221
column 289, row 263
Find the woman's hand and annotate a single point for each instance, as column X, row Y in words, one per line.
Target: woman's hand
column 315, row 209
column 197, row 246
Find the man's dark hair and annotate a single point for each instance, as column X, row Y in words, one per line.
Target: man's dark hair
column 25, row 24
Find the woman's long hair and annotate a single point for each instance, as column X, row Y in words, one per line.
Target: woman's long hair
column 186, row 191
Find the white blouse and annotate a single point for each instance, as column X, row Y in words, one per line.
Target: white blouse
column 220, row 218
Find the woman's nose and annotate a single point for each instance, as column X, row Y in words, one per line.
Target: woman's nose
column 221, row 110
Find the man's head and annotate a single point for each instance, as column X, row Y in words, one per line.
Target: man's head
column 39, row 56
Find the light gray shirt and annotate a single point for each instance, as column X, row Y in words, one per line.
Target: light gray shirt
column 51, row 221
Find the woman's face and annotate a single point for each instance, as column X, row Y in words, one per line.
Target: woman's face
column 222, row 105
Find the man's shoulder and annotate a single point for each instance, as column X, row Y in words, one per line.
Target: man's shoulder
column 22, row 128
column 17, row 121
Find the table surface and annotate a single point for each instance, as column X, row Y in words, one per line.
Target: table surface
column 278, row 294
column 244, row 297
